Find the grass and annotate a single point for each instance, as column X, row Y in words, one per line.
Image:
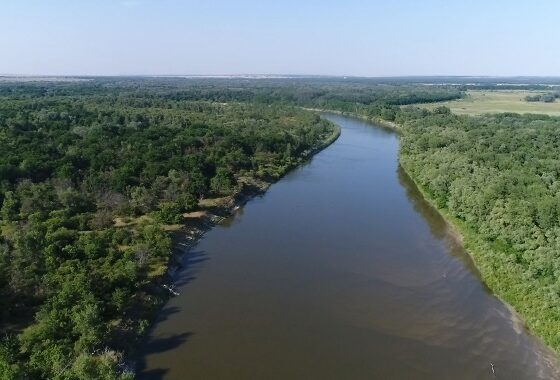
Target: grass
column 480, row 102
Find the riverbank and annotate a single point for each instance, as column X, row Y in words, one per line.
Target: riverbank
column 214, row 211
column 211, row 212
column 346, row 255
column 497, row 272
column 494, row 267
column 491, row 260
column 371, row 119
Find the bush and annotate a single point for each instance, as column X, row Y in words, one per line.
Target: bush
column 169, row 213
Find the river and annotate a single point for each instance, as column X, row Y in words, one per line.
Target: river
column 340, row 271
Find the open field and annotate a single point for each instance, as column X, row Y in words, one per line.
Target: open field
column 479, row 102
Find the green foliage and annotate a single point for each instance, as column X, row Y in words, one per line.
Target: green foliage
column 76, row 157
column 102, row 366
column 10, row 366
column 546, row 98
column 169, row 213
column 10, row 207
column 222, row 182
column 498, row 177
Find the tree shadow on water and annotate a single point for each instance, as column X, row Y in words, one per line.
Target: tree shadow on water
column 439, row 227
column 152, row 374
column 190, row 264
column 156, row 346
column 166, row 312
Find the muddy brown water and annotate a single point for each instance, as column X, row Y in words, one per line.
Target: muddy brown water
column 340, row 271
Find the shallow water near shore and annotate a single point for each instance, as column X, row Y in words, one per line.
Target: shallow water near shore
column 340, row 271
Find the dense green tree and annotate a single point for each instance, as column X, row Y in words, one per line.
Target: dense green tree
column 90, row 173
column 498, row 176
column 222, row 182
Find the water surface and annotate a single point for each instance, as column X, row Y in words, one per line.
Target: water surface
column 340, row 271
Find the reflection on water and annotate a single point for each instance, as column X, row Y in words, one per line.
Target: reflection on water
column 340, row 271
column 439, row 228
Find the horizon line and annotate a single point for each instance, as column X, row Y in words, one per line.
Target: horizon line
column 257, row 75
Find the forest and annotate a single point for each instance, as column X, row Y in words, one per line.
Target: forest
column 497, row 177
column 76, row 290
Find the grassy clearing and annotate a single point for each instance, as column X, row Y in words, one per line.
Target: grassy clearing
column 479, row 102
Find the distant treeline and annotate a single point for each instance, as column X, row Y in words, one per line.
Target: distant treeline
column 546, row 98
column 292, row 91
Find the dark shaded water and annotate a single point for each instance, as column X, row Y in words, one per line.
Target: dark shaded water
column 340, row 271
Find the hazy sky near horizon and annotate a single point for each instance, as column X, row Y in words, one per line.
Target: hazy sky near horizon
column 326, row 37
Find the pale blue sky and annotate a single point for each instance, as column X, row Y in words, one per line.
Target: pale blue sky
column 349, row 37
